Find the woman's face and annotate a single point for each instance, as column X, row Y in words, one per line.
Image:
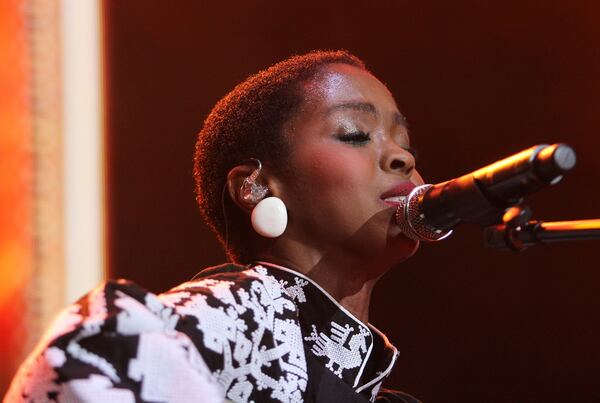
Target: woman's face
column 349, row 151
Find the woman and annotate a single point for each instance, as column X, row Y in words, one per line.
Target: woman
column 298, row 172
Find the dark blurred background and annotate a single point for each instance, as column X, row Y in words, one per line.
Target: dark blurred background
column 478, row 81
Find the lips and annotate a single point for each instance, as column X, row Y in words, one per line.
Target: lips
column 398, row 193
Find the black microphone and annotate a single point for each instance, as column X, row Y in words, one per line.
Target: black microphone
column 430, row 212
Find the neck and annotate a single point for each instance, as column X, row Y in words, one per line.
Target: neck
column 347, row 279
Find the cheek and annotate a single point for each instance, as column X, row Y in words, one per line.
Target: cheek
column 334, row 170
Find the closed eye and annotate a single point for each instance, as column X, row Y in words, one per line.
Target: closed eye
column 358, row 138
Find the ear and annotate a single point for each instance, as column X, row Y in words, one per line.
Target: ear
column 235, row 180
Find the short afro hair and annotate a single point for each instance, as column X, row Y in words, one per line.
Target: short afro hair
column 248, row 122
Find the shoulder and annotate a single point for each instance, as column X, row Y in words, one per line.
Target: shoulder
column 102, row 309
column 107, row 346
column 229, row 286
column 210, row 333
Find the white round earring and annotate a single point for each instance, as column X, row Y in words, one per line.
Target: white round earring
column 269, row 217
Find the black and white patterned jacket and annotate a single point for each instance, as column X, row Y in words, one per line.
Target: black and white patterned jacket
column 259, row 333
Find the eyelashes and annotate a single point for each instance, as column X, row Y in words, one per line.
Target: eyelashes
column 360, row 138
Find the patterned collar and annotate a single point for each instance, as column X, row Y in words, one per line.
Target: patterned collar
column 358, row 354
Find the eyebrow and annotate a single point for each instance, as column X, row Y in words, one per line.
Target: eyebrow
column 368, row 107
column 357, row 106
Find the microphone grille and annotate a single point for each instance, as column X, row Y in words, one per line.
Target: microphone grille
column 410, row 218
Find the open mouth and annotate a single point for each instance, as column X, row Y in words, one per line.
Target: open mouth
column 394, row 201
column 398, row 193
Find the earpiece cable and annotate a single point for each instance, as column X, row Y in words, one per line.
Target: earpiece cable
column 252, row 178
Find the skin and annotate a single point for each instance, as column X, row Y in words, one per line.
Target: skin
column 349, row 145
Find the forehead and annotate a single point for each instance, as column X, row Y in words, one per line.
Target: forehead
column 340, row 83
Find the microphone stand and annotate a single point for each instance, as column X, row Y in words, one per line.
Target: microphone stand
column 517, row 231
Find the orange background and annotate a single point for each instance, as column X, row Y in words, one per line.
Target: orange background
column 16, row 187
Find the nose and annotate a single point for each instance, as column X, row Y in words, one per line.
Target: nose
column 398, row 160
